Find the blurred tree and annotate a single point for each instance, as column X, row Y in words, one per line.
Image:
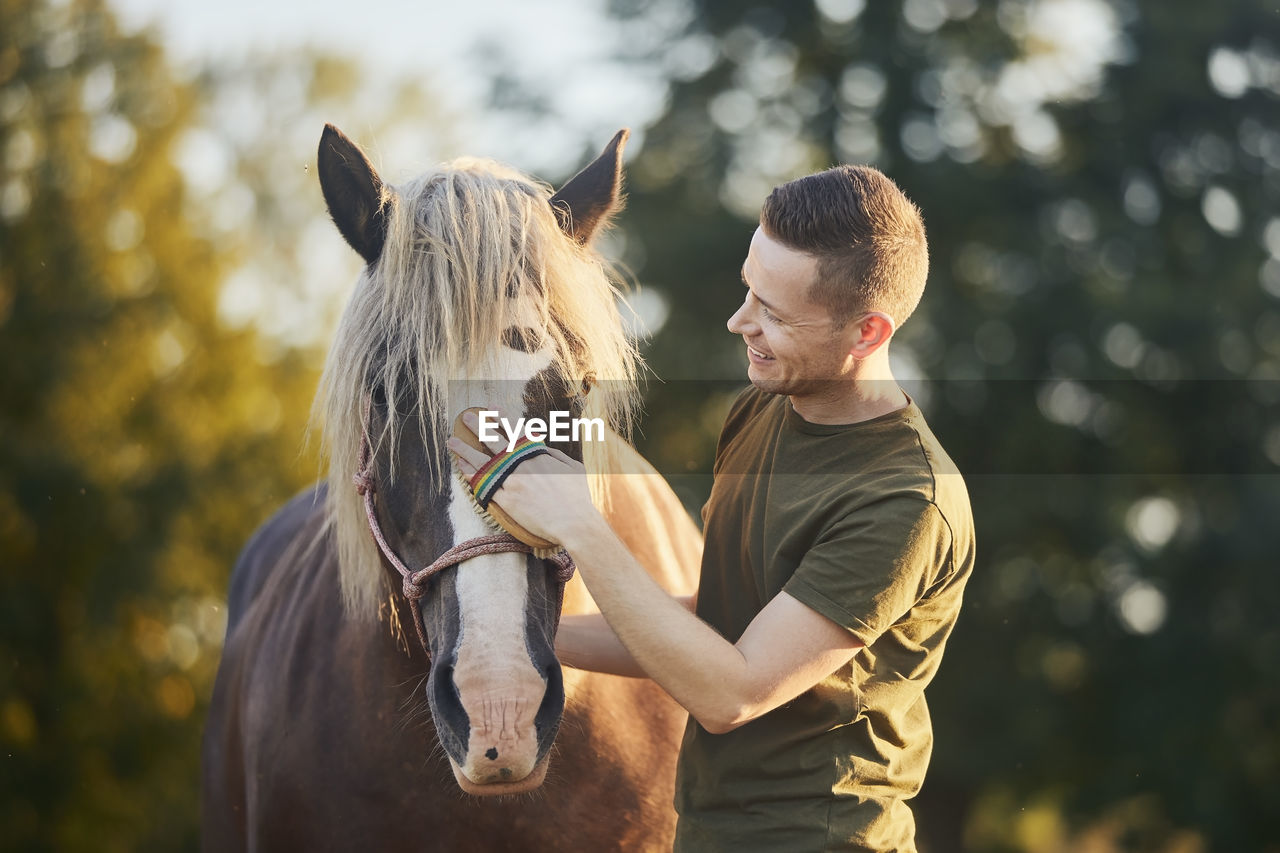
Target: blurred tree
column 1101, row 338
column 141, row 440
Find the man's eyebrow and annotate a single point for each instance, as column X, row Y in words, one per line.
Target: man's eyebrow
column 742, row 273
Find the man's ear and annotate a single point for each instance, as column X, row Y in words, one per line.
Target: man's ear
column 357, row 199
column 589, row 199
column 871, row 331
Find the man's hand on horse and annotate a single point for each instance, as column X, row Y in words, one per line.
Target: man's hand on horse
column 546, row 494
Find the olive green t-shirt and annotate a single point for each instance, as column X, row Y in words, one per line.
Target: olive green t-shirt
column 868, row 524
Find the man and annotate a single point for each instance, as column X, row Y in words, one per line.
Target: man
column 838, row 542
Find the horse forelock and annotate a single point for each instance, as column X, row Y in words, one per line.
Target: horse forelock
column 471, row 249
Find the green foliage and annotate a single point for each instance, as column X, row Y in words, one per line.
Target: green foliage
column 1099, row 349
column 140, row 440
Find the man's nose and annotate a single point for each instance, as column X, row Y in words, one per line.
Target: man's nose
column 740, row 322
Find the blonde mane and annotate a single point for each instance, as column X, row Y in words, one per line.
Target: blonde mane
column 460, row 241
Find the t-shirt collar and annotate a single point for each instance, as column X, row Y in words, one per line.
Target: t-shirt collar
column 796, row 421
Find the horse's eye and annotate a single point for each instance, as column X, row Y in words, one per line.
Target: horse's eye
column 524, row 340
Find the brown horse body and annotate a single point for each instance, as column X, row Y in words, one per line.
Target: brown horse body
column 317, row 739
column 319, row 736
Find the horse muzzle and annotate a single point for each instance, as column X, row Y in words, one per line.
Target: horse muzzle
column 497, row 725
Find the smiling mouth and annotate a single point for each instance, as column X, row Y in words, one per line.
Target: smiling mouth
column 759, row 354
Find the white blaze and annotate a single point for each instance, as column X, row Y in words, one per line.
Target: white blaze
column 498, row 685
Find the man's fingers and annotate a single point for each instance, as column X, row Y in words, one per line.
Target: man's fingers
column 560, row 455
column 469, row 459
column 472, row 420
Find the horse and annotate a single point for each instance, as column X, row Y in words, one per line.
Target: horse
column 330, row 726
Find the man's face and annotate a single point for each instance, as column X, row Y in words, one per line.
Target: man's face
column 793, row 346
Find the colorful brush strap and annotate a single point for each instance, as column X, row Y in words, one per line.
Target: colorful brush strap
column 491, row 475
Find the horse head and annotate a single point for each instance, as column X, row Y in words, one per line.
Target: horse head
column 480, row 289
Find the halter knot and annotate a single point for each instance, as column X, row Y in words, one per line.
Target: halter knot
column 414, row 587
column 365, row 482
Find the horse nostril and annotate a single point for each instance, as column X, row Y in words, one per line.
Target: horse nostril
column 452, row 725
column 547, row 719
column 444, row 692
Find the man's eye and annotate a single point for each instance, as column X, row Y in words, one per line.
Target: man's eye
column 768, row 315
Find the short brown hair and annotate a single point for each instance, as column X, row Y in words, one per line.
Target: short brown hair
column 867, row 237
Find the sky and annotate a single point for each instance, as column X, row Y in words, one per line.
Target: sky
column 393, row 32
column 566, row 47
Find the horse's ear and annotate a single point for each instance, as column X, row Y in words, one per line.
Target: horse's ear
column 589, row 199
column 357, row 199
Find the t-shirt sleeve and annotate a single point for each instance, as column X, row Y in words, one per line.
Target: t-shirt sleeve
column 874, row 565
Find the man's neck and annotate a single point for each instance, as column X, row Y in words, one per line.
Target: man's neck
column 867, row 393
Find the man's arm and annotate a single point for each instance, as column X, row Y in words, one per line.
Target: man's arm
column 585, row 641
column 785, row 650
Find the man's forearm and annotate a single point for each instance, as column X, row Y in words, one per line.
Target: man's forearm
column 700, row 669
column 585, row 641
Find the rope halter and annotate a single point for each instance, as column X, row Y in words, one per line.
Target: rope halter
column 414, row 583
